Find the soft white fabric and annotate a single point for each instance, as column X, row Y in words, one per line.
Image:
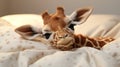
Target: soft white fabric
column 24, row 19
column 99, row 25
column 83, row 57
column 113, row 49
column 17, row 52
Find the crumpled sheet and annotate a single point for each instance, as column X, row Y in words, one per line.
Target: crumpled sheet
column 17, row 52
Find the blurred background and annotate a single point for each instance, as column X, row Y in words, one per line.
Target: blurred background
column 8, row 7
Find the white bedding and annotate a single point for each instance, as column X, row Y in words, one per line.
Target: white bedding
column 17, row 52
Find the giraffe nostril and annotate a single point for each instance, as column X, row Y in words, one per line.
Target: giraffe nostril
column 60, row 37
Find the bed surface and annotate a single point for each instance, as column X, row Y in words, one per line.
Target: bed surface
column 18, row 52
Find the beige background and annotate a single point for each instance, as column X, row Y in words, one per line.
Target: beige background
column 38, row 6
column 3, row 7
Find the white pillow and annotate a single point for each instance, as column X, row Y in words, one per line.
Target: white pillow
column 97, row 25
column 23, row 19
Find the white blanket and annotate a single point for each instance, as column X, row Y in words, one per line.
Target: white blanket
column 17, row 52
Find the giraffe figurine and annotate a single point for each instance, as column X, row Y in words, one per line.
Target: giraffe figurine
column 65, row 39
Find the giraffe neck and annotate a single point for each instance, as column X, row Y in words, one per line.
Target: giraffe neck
column 81, row 41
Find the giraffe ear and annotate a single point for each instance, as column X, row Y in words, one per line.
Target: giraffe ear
column 25, row 31
column 80, row 16
column 45, row 17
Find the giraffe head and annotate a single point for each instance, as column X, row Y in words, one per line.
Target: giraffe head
column 52, row 21
column 59, row 19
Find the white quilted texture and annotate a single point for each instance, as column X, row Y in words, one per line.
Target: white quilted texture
column 17, row 52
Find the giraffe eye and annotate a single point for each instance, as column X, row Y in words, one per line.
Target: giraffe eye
column 47, row 35
column 71, row 26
